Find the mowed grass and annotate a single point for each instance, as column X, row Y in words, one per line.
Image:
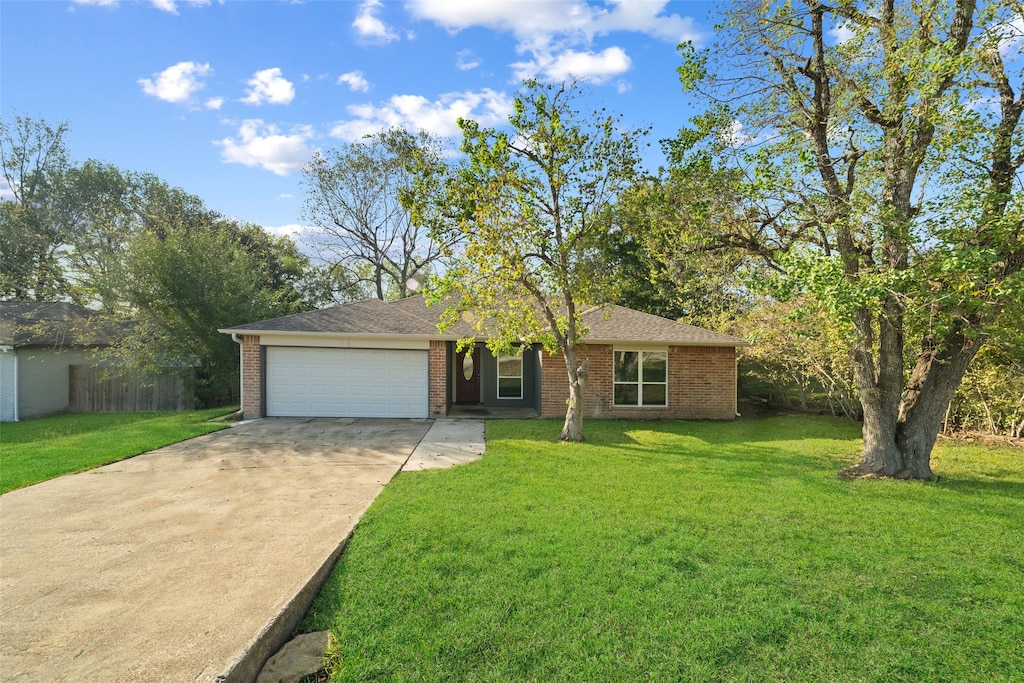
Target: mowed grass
column 36, row 450
column 685, row 551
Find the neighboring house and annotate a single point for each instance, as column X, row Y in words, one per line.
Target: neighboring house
column 49, row 365
column 376, row 359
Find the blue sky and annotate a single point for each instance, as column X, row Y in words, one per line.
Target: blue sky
column 228, row 100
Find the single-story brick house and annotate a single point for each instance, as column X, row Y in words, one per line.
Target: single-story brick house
column 376, row 359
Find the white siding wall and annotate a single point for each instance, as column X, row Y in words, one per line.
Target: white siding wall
column 8, row 386
column 43, row 379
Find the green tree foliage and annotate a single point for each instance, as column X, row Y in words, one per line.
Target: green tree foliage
column 991, row 397
column 529, row 210
column 879, row 174
column 183, row 282
column 656, row 253
column 801, row 354
column 363, row 234
column 34, row 160
column 153, row 258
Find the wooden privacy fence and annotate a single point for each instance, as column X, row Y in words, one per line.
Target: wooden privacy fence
column 110, row 390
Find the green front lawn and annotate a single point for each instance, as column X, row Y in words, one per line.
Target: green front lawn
column 36, row 450
column 685, row 551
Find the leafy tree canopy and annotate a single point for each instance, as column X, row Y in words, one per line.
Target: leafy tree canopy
column 876, row 148
column 529, row 210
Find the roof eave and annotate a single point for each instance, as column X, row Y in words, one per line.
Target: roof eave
column 663, row 342
column 347, row 335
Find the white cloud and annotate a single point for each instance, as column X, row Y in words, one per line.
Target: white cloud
column 368, row 25
column 214, row 103
column 269, row 86
column 290, row 230
column 6, row 192
column 355, row 81
column 440, row 117
column 466, row 60
column 737, row 136
column 589, row 66
column 176, row 83
column 170, row 6
column 165, row 5
column 841, row 33
column 574, row 22
column 1012, row 44
column 285, row 195
column 551, row 31
column 263, row 145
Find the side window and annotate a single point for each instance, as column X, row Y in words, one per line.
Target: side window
column 510, row 376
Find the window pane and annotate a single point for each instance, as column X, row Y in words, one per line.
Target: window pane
column 655, row 364
column 510, row 387
column 467, row 365
column 654, row 394
column 626, row 394
column 510, row 366
column 626, row 366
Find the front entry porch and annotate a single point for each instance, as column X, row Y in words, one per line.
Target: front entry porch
column 481, row 411
column 482, row 385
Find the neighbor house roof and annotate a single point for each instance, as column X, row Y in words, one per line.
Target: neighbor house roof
column 53, row 324
column 412, row 317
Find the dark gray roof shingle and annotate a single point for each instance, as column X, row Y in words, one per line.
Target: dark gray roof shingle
column 370, row 316
column 53, row 324
column 413, row 317
column 621, row 324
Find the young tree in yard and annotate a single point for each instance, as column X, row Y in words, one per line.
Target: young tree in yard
column 362, row 232
column 529, row 208
column 881, row 166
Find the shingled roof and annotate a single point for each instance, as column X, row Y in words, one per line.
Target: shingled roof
column 621, row 324
column 369, row 316
column 412, row 317
column 54, row 324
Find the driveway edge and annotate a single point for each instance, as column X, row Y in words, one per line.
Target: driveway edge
column 272, row 638
column 246, row 668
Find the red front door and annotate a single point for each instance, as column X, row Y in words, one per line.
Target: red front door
column 467, row 375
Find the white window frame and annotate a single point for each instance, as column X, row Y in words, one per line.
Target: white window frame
column 640, row 378
column 499, row 376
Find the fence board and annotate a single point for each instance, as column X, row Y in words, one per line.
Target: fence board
column 95, row 389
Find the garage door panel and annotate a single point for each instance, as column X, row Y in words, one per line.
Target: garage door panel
column 320, row 382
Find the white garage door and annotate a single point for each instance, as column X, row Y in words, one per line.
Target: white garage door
column 309, row 382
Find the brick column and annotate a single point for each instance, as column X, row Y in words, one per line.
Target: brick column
column 437, row 372
column 252, row 377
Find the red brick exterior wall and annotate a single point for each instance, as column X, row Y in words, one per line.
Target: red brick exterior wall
column 252, row 377
column 437, row 372
column 701, row 384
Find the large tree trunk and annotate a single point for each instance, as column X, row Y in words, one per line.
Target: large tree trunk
column 573, row 428
column 901, row 426
column 880, row 386
column 940, row 369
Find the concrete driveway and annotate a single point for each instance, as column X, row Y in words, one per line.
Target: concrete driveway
column 191, row 562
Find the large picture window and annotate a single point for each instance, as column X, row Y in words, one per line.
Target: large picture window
column 641, row 378
column 510, row 376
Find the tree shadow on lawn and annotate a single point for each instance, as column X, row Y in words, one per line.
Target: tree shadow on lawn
column 768, row 449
